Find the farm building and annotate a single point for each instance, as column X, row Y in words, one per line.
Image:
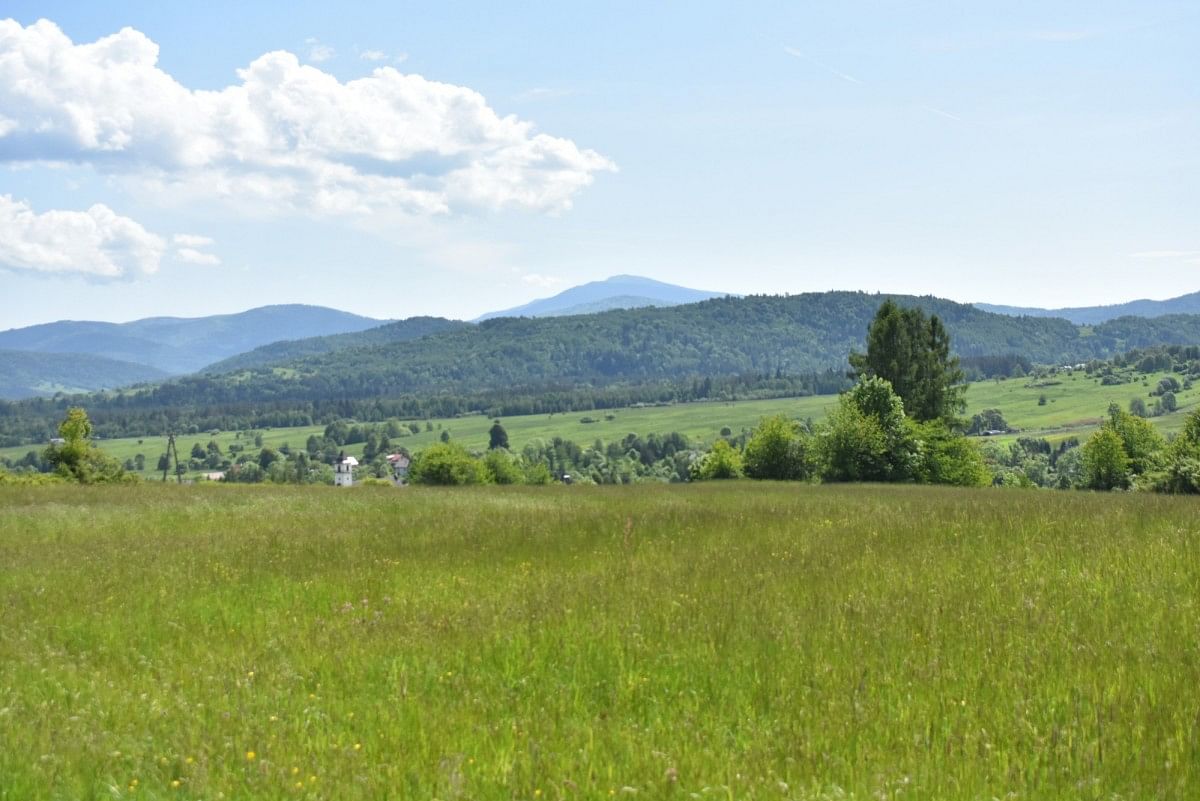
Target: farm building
column 399, row 463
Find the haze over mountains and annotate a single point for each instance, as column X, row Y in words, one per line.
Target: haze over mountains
column 184, row 344
column 618, row 292
column 73, row 356
column 1090, row 315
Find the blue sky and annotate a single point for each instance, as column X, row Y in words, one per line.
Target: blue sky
column 451, row 159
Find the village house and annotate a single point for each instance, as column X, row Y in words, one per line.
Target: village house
column 399, row 464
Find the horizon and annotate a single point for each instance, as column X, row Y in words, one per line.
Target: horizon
column 384, row 320
column 189, row 162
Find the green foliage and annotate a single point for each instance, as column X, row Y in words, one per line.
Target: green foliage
column 502, row 468
column 77, row 458
column 988, row 420
column 447, row 464
column 497, row 436
column 852, row 446
column 1181, row 471
column 722, row 462
column 947, row 457
column 779, row 449
column 1106, row 465
column 717, row 349
column 912, row 353
column 1142, row 443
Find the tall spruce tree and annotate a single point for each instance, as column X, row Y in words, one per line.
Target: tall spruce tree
column 912, row 352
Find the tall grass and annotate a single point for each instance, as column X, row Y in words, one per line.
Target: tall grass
column 741, row 641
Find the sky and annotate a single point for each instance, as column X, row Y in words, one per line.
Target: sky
column 397, row 159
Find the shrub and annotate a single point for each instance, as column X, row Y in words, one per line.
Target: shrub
column 949, row 458
column 1105, row 463
column 502, row 468
column 446, row 464
column 722, row 462
column 779, row 450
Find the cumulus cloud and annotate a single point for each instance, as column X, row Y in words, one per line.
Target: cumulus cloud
column 373, row 55
column 193, row 256
column 192, row 240
column 287, row 136
column 97, row 242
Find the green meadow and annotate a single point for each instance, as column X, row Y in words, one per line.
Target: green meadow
column 725, row 641
column 1074, row 407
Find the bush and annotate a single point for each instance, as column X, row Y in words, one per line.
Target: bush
column 1105, row 463
column 502, row 468
column 722, row 462
column 949, row 458
column 778, row 450
column 852, row 447
column 446, row 464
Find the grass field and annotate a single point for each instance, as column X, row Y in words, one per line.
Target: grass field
column 715, row 641
column 1073, row 408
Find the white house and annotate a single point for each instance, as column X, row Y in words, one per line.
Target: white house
column 343, row 471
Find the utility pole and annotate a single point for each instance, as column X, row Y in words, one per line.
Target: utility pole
column 172, row 451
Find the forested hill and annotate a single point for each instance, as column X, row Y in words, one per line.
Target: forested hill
column 25, row 375
column 727, row 336
column 179, row 344
column 294, row 349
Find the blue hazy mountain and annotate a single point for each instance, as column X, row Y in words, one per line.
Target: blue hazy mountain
column 24, row 374
column 618, row 292
column 1094, row 315
column 184, row 344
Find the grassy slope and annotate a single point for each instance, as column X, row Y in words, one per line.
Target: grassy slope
column 761, row 641
column 1073, row 409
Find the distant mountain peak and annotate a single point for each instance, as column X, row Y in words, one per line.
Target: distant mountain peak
column 616, row 292
column 1093, row 315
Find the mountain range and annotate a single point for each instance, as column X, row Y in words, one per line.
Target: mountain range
column 1092, row 315
column 71, row 356
column 178, row 345
column 520, row 365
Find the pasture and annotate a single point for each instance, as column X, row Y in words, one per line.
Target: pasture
column 1074, row 407
column 725, row 641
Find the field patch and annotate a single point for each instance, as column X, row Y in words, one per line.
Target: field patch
column 739, row 641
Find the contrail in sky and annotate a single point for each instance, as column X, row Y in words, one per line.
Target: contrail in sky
column 791, row 51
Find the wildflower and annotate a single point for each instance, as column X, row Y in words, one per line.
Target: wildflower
column 190, row 760
column 295, row 770
column 175, row 784
column 250, row 755
column 358, row 746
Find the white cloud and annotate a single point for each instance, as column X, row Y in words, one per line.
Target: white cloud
column 192, row 240
column 193, row 256
column 373, row 55
column 318, row 52
column 286, row 137
column 97, row 242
